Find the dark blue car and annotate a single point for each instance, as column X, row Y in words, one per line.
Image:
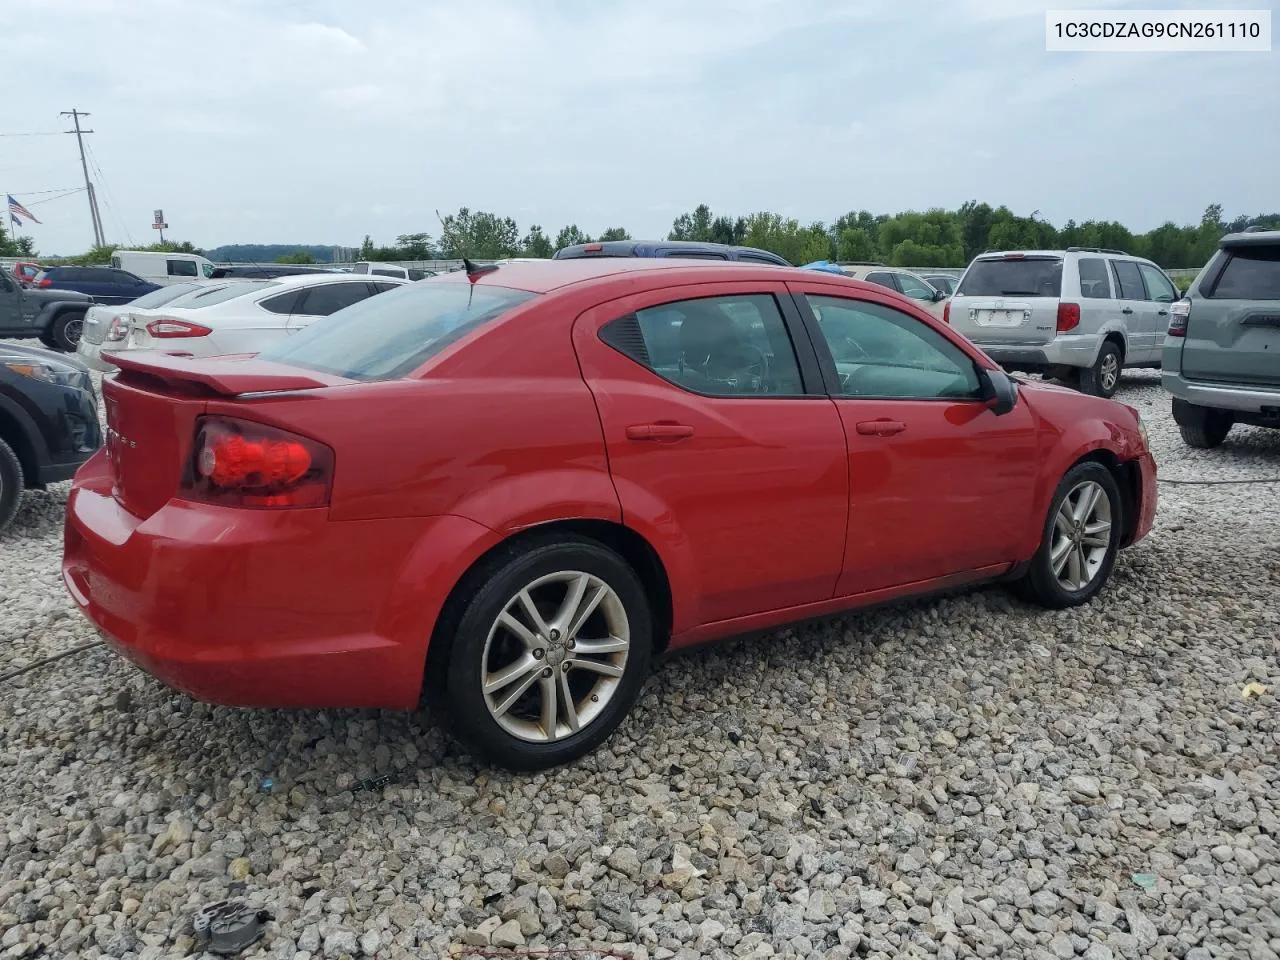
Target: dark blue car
column 104, row 284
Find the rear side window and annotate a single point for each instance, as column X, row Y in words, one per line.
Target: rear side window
column 182, row 268
column 1252, row 273
column 321, row 301
column 1130, row 280
column 390, row 335
column 1095, row 283
column 882, row 279
column 284, row 303
column 1020, row 277
column 388, row 273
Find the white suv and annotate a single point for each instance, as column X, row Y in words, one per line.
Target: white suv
column 1081, row 314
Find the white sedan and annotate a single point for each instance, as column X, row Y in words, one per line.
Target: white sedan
column 235, row 316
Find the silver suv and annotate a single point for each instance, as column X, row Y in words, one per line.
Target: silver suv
column 1080, row 314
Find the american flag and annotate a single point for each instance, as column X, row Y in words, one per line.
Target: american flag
column 16, row 210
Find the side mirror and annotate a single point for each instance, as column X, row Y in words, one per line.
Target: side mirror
column 998, row 391
column 939, row 295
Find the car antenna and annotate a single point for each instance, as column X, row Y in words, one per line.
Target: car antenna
column 475, row 270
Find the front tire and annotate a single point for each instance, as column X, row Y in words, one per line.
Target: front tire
column 549, row 655
column 66, row 331
column 1201, row 427
column 1080, row 540
column 11, row 483
column 1102, row 379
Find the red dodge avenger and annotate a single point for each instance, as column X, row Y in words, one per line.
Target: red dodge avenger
column 513, row 486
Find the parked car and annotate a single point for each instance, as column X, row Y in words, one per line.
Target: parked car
column 108, row 325
column 903, row 281
column 240, row 316
column 162, row 267
column 265, row 271
column 942, row 281
column 391, row 270
column 685, row 249
column 1081, row 315
column 1222, row 354
column 523, row 482
column 104, row 284
column 48, row 421
column 55, row 316
column 25, row 273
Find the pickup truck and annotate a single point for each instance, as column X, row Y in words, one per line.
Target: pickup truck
column 55, row 316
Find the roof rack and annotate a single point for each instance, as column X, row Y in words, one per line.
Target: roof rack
column 859, row 263
column 1120, row 253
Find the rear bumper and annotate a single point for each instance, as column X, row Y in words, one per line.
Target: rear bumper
column 265, row 608
column 1062, row 351
column 91, row 355
column 1221, row 396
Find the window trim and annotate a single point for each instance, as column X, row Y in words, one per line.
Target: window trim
column 826, row 361
column 812, row 381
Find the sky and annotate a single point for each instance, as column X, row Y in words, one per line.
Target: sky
column 321, row 121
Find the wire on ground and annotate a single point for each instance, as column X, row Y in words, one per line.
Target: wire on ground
column 48, row 660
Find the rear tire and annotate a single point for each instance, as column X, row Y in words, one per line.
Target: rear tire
column 1102, row 379
column 503, row 667
column 1080, row 540
column 11, row 484
column 66, row 331
column 1202, row 427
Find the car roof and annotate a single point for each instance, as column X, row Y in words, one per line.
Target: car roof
column 606, row 248
column 548, row 275
column 305, row 279
column 1250, row 238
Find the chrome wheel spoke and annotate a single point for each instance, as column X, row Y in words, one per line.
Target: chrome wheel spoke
column 598, row 666
column 531, row 611
column 585, row 610
column 570, row 708
column 494, row 682
column 547, row 686
column 500, row 709
column 598, row 648
column 517, row 629
column 1075, row 567
column 1059, row 554
column 572, row 600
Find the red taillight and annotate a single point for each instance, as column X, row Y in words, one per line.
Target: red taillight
column 593, row 247
column 45, row 282
column 237, row 463
column 1068, row 316
column 946, row 312
column 166, row 327
column 1015, row 256
column 1179, row 317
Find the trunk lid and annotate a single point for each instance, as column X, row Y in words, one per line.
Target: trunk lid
column 152, row 407
column 97, row 321
column 1009, row 299
column 1233, row 329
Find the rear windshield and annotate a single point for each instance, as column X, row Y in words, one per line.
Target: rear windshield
column 389, row 335
column 211, row 294
column 1252, row 273
column 1030, row 277
column 162, row 296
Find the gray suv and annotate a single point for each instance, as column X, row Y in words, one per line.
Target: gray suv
column 1222, row 355
column 1080, row 314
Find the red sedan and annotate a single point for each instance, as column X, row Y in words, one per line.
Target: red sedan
column 513, row 486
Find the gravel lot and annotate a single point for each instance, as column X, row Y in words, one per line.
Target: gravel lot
column 951, row 778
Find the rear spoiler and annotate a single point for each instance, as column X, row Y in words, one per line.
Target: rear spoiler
column 224, row 376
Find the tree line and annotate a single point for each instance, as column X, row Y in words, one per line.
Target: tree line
column 933, row 238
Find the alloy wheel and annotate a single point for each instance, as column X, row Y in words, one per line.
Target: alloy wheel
column 555, row 656
column 1081, row 536
column 1109, row 374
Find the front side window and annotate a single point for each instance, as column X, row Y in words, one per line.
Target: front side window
column 914, row 287
column 716, row 346
column 1158, row 284
column 182, row 268
column 1095, row 284
column 207, row 269
column 882, row 352
column 1129, row 280
column 392, row 334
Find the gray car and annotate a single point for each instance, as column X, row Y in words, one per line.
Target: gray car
column 1081, row 314
column 1222, row 354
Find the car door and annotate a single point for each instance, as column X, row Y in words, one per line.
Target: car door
column 1162, row 293
column 1137, row 313
column 325, row 299
column 1098, row 298
column 729, row 457
column 938, row 483
column 15, row 315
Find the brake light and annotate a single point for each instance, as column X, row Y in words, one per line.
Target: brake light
column 119, row 328
column 44, row 282
column 946, row 312
column 238, row 463
column 1179, row 317
column 593, row 247
column 167, row 327
column 1068, row 316
column 1015, row 256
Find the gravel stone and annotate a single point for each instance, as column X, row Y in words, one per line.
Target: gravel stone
column 953, row 777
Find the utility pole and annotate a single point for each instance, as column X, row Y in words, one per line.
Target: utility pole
column 99, row 240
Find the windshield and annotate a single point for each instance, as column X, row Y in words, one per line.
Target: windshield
column 1024, row 277
column 393, row 333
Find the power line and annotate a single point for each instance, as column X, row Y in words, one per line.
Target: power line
column 66, row 193
column 51, row 133
column 111, row 198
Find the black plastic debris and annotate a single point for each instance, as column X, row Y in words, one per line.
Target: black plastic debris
column 371, row 783
column 229, row 926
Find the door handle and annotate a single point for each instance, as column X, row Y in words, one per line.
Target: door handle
column 1163, row 313
column 659, row 431
column 880, row 428
column 1127, row 310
